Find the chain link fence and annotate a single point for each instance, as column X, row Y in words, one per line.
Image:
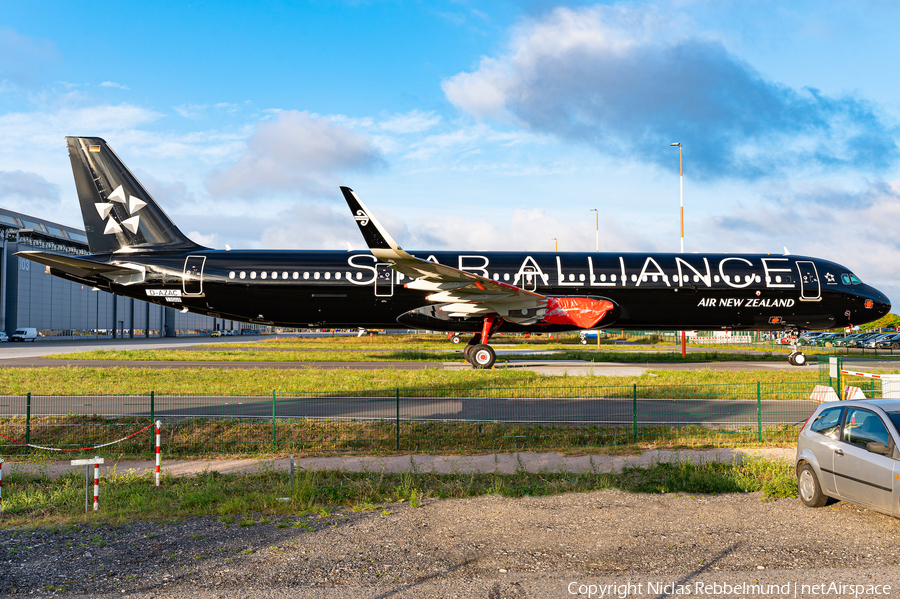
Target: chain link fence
column 427, row 420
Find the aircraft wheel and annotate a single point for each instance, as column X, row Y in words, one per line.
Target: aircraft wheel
column 482, row 357
column 791, row 358
column 799, row 359
column 467, row 353
column 455, row 339
column 583, row 341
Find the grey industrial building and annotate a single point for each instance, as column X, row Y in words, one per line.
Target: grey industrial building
column 61, row 309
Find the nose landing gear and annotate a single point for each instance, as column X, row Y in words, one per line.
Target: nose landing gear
column 478, row 353
column 796, row 357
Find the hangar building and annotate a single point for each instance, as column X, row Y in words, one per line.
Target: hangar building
column 63, row 309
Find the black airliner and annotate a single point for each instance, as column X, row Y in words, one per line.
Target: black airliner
column 137, row 252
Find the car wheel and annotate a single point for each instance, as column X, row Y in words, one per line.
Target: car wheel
column 808, row 485
column 483, row 357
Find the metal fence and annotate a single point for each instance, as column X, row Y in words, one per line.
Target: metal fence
column 434, row 419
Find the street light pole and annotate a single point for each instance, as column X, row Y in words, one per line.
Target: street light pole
column 555, row 241
column 681, row 183
column 598, row 227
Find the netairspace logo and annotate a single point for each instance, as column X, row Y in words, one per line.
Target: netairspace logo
column 790, row 589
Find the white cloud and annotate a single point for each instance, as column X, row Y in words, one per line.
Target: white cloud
column 27, row 191
column 414, row 121
column 210, row 241
column 296, row 152
column 114, row 84
column 624, row 81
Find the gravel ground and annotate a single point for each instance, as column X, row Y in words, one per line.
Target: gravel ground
column 487, row 547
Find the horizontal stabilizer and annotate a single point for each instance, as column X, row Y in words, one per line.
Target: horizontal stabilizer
column 79, row 267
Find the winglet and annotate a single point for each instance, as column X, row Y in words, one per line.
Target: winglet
column 377, row 238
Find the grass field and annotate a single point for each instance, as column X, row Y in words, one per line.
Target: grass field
column 249, row 499
column 120, row 380
column 406, row 355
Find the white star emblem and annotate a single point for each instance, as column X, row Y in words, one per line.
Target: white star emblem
column 131, row 203
column 830, row 277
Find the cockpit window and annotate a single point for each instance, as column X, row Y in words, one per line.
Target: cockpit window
column 847, row 279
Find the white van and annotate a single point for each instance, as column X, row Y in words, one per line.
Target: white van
column 26, row 334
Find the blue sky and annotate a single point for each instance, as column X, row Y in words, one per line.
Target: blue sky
column 476, row 125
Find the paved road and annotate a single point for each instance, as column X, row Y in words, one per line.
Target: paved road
column 614, row 411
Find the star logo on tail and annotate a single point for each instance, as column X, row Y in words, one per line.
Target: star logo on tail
column 131, row 203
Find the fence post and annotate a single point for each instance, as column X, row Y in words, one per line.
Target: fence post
column 398, row 419
column 758, row 413
column 273, row 420
column 634, row 409
column 28, row 422
column 152, row 406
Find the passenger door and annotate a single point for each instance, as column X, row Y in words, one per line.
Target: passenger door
column 193, row 275
column 810, row 288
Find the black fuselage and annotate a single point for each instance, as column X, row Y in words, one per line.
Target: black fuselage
column 650, row 291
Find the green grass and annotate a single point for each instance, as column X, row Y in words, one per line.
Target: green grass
column 407, row 355
column 232, row 436
column 118, row 380
column 250, row 499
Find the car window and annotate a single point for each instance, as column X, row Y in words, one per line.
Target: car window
column 862, row 426
column 828, row 423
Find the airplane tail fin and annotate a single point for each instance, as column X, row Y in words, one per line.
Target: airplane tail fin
column 119, row 215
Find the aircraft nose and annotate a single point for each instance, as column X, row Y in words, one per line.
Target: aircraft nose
column 881, row 305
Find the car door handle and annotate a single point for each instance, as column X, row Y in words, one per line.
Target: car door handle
column 839, row 451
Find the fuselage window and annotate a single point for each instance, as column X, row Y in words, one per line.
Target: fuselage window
column 231, row 275
column 253, row 274
column 696, row 279
column 634, row 278
column 602, row 278
column 284, row 275
column 348, row 276
column 716, row 278
column 653, row 278
column 496, row 276
column 315, row 275
column 768, row 279
column 306, row 275
column 581, row 277
column 327, row 275
column 727, row 278
column 777, row 278
column 274, row 274
column 506, row 276
column 758, row 279
column 612, row 278
column 358, row 276
column 264, row 274
column 243, row 275
column 337, row 275
column 296, row 275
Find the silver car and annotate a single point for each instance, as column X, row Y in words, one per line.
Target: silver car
column 848, row 450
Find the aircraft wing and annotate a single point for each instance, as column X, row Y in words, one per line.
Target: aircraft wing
column 84, row 269
column 464, row 293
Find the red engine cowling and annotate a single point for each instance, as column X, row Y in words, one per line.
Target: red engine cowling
column 580, row 312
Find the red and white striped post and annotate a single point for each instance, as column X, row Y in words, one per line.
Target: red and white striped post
column 96, row 487
column 157, row 452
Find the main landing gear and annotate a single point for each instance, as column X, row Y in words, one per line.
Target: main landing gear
column 478, row 353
